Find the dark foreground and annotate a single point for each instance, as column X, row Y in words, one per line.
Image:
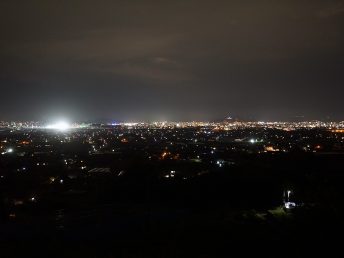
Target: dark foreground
column 174, row 207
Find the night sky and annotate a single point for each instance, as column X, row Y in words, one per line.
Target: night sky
column 171, row 60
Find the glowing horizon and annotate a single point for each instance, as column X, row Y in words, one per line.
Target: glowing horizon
column 60, row 126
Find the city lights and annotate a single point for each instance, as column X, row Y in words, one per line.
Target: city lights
column 171, row 128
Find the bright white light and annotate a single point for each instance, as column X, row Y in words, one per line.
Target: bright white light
column 130, row 124
column 220, row 163
column 289, row 205
column 9, row 150
column 252, row 141
column 60, row 126
column 288, row 192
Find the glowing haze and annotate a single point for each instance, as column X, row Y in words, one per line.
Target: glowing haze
column 60, row 126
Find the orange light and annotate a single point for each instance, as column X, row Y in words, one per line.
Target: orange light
column 165, row 154
column 338, row 131
column 270, row 149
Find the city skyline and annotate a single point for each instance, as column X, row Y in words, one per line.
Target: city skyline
column 114, row 122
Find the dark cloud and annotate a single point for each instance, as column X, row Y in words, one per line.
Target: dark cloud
column 171, row 59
